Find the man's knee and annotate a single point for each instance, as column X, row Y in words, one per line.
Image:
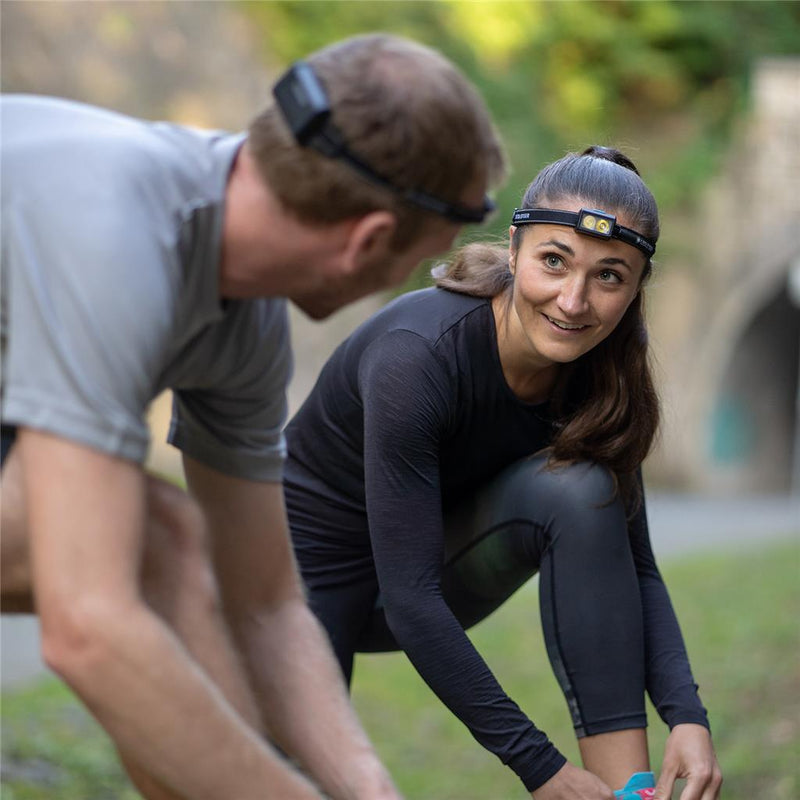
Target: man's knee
column 177, row 564
column 177, row 517
column 15, row 566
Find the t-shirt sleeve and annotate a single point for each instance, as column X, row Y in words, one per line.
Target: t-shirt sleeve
column 407, row 400
column 670, row 683
column 235, row 422
column 80, row 352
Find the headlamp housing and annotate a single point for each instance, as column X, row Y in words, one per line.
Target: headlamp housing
column 589, row 221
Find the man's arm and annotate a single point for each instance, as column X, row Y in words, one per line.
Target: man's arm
column 302, row 694
column 86, row 520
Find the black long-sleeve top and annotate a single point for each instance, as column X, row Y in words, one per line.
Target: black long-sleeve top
column 411, row 414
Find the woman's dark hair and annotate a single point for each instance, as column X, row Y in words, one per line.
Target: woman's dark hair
column 605, row 403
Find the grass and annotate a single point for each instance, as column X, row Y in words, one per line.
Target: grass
column 740, row 614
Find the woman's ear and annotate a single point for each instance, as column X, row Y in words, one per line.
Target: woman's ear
column 512, row 252
column 370, row 239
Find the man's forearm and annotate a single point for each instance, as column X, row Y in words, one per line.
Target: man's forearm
column 304, row 699
column 86, row 514
column 165, row 714
column 179, row 587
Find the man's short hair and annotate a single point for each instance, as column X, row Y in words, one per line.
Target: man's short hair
column 405, row 110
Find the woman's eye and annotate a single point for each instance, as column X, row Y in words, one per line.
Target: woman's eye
column 609, row 276
column 553, row 261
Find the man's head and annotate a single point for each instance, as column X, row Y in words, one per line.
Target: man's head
column 410, row 115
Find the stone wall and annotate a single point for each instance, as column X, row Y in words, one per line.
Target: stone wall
column 725, row 323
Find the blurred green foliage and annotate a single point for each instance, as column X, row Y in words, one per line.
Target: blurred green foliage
column 664, row 80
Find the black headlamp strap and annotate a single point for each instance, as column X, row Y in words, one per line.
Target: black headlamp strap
column 305, row 107
column 587, row 221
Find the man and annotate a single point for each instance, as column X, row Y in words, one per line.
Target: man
column 139, row 257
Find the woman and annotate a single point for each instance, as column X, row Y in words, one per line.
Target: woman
column 471, row 435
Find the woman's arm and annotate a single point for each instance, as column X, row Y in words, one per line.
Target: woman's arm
column 407, row 408
column 670, row 683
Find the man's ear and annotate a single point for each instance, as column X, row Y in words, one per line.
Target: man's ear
column 370, row 239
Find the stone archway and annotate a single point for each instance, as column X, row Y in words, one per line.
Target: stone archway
column 730, row 331
column 753, row 415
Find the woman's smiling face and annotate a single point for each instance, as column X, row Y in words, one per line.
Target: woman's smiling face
column 570, row 290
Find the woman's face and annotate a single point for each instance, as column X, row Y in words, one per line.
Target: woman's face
column 570, row 290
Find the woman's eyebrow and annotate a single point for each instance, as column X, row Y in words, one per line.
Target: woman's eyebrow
column 611, row 261
column 555, row 243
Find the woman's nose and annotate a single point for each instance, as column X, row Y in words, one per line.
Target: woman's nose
column 573, row 299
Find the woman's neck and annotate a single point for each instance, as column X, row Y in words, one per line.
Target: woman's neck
column 528, row 378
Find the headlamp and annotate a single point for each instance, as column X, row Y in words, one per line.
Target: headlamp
column 588, row 221
column 304, row 104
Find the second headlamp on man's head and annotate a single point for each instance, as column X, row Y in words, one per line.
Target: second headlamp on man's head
column 304, row 104
column 588, row 221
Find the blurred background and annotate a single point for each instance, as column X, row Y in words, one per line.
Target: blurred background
column 703, row 96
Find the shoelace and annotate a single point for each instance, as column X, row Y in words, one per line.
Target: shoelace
column 644, row 794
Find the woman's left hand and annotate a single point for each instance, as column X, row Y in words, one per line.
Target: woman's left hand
column 689, row 754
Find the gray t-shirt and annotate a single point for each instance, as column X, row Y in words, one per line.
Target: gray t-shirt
column 111, row 231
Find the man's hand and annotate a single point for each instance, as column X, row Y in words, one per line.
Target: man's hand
column 572, row 783
column 689, row 754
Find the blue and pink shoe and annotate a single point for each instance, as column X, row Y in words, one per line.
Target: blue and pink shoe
column 641, row 786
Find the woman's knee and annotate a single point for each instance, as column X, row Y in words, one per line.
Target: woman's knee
column 538, row 490
column 583, row 485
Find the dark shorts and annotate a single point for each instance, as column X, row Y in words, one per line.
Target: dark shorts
column 9, row 434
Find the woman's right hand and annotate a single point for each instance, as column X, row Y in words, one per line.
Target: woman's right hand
column 572, row 783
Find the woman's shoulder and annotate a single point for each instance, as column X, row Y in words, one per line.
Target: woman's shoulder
column 430, row 313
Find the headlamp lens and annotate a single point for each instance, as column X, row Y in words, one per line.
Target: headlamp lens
column 596, row 223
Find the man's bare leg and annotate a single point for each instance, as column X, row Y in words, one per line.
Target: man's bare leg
column 177, row 582
column 179, row 585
